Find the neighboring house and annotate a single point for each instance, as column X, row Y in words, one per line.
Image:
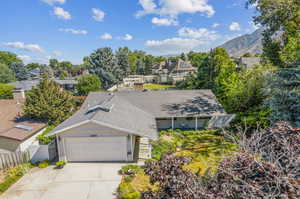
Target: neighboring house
column 27, row 85
column 174, row 70
column 109, row 126
column 132, row 80
column 35, row 73
column 17, row 133
column 249, row 62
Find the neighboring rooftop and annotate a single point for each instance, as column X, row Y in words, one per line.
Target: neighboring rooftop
column 250, row 62
column 13, row 125
column 27, row 85
column 136, row 112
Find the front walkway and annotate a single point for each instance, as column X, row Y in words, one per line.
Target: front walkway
column 74, row 181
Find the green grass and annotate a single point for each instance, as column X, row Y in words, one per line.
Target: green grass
column 13, row 175
column 158, row 86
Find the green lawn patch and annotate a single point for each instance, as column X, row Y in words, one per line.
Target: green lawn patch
column 158, row 86
column 13, row 175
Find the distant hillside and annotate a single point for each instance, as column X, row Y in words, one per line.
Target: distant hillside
column 251, row 43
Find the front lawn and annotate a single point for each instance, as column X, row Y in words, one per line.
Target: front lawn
column 206, row 148
column 158, row 86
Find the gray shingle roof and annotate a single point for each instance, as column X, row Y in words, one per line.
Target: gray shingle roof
column 135, row 112
column 27, row 85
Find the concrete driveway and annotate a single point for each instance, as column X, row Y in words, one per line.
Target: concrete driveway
column 74, row 181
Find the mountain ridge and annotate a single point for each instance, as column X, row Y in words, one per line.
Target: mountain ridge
column 248, row 43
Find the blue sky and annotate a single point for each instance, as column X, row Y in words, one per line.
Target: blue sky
column 38, row 30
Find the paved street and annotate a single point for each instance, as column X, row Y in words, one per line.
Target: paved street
column 74, row 181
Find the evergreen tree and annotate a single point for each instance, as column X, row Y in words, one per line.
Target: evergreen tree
column 6, row 74
column 123, row 62
column 48, row 102
column 20, row 71
column 141, row 67
column 149, row 62
column 284, row 96
column 103, row 64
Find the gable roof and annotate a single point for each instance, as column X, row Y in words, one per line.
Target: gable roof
column 10, row 119
column 135, row 112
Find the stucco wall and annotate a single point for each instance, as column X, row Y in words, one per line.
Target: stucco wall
column 91, row 129
column 30, row 142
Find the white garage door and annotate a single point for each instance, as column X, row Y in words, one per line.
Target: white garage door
column 93, row 149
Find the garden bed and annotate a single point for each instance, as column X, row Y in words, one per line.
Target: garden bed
column 205, row 148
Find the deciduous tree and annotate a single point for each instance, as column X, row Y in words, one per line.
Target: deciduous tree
column 88, row 83
column 6, row 74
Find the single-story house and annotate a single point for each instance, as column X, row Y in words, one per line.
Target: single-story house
column 17, row 134
column 27, row 85
column 108, row 125
column 249, row 62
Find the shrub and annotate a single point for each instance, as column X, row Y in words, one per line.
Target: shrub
column 130, row 170
column 43, row 164
column 6, row 91
column 43, row 139
column 60, row 163
column 161, row 147
column 125, row 188
column 133, row 195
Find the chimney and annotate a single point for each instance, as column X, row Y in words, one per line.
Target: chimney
column 19, row 94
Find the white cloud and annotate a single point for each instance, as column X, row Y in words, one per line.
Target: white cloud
column 22, row 46
column 61, row 13
column 215, row 25
column 73, row 31
column 25, row 58
column 175, row 7
column 98, row 14
column 127, row 37
column 254, row 26
column 164, row 22
column 234, row 26
column 202, row 34
column 106, row 36
column 51, row 2
column 173, row 45
column 148, row 7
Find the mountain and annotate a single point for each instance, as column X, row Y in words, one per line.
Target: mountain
column 249, row 43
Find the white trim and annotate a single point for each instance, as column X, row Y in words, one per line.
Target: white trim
column 196, row 122
column 68, row 128
column 172, row 123
column 99, row 123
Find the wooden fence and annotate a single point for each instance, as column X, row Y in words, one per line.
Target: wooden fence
column 8, row 160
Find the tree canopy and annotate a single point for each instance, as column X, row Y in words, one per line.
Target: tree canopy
column 88, row 83
column 8, row 58
column 20, row 71
column 48, row 102
column 6, row 74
